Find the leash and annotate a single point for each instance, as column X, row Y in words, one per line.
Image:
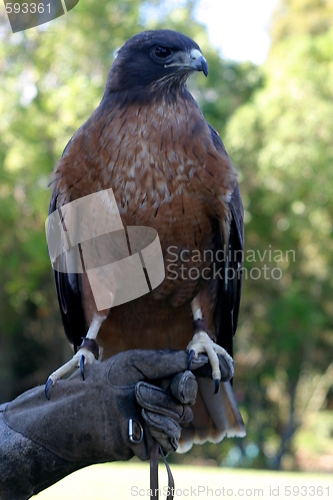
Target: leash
column 155, row 452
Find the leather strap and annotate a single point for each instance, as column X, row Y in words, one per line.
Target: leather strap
column 154, row 470
column 91, row 345
column 156, row 450
column 200, row 325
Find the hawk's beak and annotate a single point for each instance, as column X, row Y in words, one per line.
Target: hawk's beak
column 193, row 60
column 198, row 62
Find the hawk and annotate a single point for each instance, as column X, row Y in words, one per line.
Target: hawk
column 168, row 169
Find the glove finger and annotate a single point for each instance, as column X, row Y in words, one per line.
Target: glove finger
column 139, row 365
column 153, row 398
column 164, row 429
column 168, row 445
column 184, row 387
column 187, row 416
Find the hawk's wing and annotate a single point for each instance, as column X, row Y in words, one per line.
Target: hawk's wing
column 69, row 296
column 229, row 291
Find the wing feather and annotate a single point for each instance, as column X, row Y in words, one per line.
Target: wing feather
column 229, row 290
column 69, row 297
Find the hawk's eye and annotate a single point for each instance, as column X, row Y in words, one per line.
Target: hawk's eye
column 162, row 52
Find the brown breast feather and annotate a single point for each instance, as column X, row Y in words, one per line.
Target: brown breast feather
column 165, row 173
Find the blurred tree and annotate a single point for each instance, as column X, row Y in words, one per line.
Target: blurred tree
column 281, row 142
column 297, row 17
column 53, row 78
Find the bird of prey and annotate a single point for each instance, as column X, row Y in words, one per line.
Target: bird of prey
column 149, row 142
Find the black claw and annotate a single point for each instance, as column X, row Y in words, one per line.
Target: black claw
column 82, row 366
column 217, row 385
column 47, row 387
column 190, row 358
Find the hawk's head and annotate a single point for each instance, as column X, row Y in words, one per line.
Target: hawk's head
column 161, row 59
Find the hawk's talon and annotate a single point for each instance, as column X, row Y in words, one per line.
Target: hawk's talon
column 47, row 387
column 190, row 358
column 202, row 343
column 82, row 359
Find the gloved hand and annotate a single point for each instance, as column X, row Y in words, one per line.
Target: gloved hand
column 90, row 421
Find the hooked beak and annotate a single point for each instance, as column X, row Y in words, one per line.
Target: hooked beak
column 198, row 62
column 192, row 60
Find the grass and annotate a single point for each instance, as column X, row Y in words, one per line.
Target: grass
column 127, row 481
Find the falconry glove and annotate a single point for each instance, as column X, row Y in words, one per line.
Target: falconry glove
column 115, row 413
column 123, row 405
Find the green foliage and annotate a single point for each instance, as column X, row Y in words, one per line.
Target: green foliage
column 296, row 17
column 281, row 143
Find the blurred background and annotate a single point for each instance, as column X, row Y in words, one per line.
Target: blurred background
column 270, row 96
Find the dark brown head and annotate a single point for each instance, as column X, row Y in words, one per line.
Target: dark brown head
column 155, row 60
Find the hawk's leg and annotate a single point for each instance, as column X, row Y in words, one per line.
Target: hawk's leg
column 202, row 343
column 87, row 354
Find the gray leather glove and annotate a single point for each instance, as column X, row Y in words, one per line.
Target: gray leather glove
column 90, row 421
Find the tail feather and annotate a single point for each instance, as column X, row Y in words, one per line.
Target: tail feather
column 215, row 416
